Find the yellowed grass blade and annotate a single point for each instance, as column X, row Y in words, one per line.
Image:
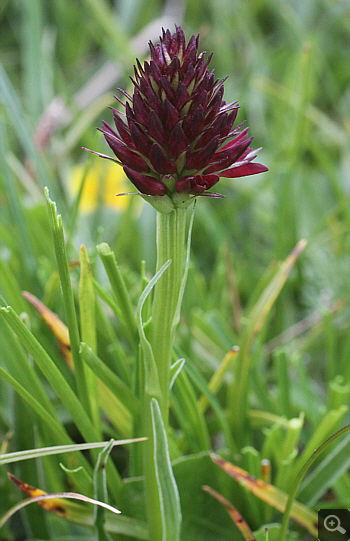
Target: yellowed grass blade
column 270, row 495
column 237, row 518
column 58, row 328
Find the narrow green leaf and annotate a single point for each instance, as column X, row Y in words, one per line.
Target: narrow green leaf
column 280, row 360
column 53, row 426
column 58, row 383
column 326, row 473
column 168, row 492
column 88, row 330
column 68, row 299
column 328, row 424
column 201, row 384
column 190, row 417
column 299, row 478
column 120, row 291
column 51, row 372
column 114, row 524
column 291, row 437
column 217, row 379
column 87, row 301
column 100, row 491
column 175, row 371
column 54, row 496
column 57, row 449
column 338, row 393
column 255, row 322
column 110, row 379
column 19, row 367
column 151, row 373
column 9, row 286
column 270, row 494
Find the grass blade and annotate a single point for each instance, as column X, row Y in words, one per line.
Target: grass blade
column 120, row 291
column 67, row 292
column 88, row 331
column 169, row 495
column 269, row 494
column 59, row 449
column 237, row 518
column 60, row 386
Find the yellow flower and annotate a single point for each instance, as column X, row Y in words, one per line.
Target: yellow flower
column 102, row 184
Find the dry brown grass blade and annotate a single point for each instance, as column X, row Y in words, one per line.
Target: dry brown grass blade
column 237, row 518
column 269, row 494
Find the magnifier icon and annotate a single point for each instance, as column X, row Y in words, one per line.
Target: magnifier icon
column 332, row 524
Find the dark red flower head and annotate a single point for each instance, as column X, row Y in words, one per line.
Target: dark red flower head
column 175, row 138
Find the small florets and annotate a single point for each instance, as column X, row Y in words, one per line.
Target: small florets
column 175, row 137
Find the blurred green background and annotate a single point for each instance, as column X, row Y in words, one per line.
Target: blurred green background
column 61, row 61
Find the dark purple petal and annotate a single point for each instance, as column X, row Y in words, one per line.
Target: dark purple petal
column 129, row 114
column 101, row 155
column 140, row 68
column 194, row 123
column 160, row 162
column 156, row 129
column 182, row 96
column 225, row 158
column 211, row 179
column 127, row 156
column 178, row 43
column 184, row 185
column 167, row 88
column 108, row 129
column 202, row 70
column 150, row 96
column 157, row 56
column 196, row 184
column 141, row 111
column 170, row 115
column 200, row 99
column 166, row 41
column 128, row 97
column 145, row 184
column 177, row 142
column 123, row 130
column 235, row 141
column 140, row 139
column 190, row 54
column 205, row 82
column 199, row 159
column 230, row 120
column 155, row 71
column 217, row 128
column 245, row 170
column 189, row 76
column 214, row 107
column 172, row 69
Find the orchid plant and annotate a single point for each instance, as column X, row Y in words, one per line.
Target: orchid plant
column 175, row 138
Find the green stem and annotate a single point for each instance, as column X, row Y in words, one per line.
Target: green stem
column 170, row 245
